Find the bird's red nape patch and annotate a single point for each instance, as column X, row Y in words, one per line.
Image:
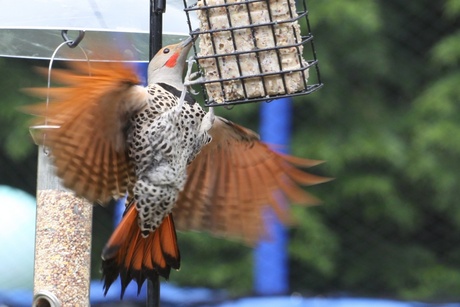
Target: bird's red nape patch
column 172, row 60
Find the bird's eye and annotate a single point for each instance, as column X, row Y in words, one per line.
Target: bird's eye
column 166, row 50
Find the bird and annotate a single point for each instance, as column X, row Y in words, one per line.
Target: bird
column 179, row 167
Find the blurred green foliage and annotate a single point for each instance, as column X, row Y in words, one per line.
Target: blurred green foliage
column 388, row 124
column 14, row 135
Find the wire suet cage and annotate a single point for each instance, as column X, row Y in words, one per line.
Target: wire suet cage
column 253, row 50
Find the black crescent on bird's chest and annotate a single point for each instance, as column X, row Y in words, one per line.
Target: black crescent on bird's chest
column 188, row 97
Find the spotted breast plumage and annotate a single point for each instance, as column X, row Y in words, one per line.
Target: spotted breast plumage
column 155, row 144
column 164, row 138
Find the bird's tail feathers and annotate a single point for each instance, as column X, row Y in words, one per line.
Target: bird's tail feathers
column 130, row 255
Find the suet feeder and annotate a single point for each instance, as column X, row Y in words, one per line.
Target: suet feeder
column 253, row 50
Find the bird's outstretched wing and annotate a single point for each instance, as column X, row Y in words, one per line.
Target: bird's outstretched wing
column 234, row 178
column 91, row 114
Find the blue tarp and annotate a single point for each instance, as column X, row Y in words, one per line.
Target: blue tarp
column 176, row 296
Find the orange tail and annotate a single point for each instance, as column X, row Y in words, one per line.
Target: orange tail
column 132, row 256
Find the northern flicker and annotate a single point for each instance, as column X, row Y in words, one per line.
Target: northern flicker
column 170, row 157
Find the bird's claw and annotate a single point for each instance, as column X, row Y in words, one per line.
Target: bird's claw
column 208, row 120
column 195, row 78
column 187, row 79
column 192, row 78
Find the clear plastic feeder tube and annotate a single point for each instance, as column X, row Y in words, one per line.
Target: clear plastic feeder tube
column 62, row 239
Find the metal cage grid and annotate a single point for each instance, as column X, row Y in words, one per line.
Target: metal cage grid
column 303, row 44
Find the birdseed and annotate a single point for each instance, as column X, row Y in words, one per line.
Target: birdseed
column 63, row 247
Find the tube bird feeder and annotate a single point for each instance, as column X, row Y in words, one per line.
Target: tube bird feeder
column 62, row 239
column 253, row 50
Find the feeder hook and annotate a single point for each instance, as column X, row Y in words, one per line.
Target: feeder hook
column 72, row 43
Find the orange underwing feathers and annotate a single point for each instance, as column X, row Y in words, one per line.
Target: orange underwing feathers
column 92, row 112
column 234, row 178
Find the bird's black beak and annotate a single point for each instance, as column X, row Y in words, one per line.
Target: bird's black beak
column 187, row 41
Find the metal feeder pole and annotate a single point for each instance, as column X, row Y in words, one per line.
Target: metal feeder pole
column 62, row 239
column 157, row 8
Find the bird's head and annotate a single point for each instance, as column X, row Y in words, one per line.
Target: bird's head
column 167, row 66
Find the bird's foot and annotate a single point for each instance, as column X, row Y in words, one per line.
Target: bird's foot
column 192, row 78
column 195, row 78
column 180, row 103
column 187, row 77
column 208, row 121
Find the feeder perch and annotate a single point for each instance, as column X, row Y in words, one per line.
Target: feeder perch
column 253, row 50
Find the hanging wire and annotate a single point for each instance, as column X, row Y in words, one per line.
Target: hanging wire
column 72, row 44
